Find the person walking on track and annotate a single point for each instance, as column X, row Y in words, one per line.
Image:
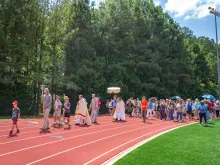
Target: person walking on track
column 94, row 109
column 82, row 113
column 47, row 102
column 144, row 105
column 15, row 117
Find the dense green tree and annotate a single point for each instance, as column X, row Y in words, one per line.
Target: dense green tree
column 75, row 47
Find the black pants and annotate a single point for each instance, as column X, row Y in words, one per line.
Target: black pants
column 202, row 115
column 144, row 115
column 217, row 113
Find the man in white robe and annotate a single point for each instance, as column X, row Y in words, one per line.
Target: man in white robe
column 120, row 110
column 82, row 114
column 94, row 108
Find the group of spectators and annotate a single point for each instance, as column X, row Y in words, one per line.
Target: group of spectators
column 167, row 109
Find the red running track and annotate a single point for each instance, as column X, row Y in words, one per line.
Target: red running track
column 92, row 145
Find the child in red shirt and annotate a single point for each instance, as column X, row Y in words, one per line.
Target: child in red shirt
column 144, row 104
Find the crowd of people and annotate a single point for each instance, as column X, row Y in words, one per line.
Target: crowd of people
column 166, row 109
column 178, row 110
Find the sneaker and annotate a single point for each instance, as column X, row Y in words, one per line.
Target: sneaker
column 10, row 133
column 18, row 131
column 200, row 124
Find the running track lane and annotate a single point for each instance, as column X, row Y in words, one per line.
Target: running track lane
column 57, row 131
column 45, row 141
column 98, row 144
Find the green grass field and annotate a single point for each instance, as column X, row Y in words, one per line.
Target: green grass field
column 190, row 145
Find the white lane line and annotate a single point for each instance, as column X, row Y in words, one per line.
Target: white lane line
column 63, row 132
column 110, row 121
column 89, row 143
column 123, row 145
column 128, row 150
column 9, row 120
column 23, row 121
column 33, row 122
column 21, row 128
column 19, row 133
column 8, row 153
column 106, row 118
column 20, row 124
column 35, row 125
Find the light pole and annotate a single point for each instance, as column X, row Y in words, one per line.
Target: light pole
column 216, row 13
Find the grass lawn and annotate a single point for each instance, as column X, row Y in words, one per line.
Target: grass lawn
column 189, row 145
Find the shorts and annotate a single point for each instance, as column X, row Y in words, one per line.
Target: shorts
column 67, row 114
column 14, row 121
column 57, row 113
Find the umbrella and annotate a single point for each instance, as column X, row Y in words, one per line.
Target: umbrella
column 208, row 96
column 114, row 90
column 176, row 97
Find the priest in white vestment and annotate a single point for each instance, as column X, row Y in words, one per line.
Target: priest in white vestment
column 82, row 113
column 120, row 110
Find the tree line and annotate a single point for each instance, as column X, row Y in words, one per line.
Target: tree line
column 75, row 47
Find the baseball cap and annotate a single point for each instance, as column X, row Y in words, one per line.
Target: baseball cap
column 15, row 102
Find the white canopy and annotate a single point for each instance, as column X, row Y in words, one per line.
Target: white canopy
column 114, row 90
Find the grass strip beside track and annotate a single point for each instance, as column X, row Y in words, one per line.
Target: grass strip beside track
column 188, row 145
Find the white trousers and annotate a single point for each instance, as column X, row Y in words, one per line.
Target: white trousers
column 154, row 113
column 149, row 111
column 79, row 120
column 94, row 115
column 46, row 119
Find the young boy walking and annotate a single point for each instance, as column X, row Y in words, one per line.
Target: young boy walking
column 67, row 111
column 144, row 105
column 15, row 117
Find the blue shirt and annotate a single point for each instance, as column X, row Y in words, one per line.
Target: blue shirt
column 114, row 103
column 203, row 108
column 150, row 105
column 189, row 106
column 67, row 110
column 15, row 113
